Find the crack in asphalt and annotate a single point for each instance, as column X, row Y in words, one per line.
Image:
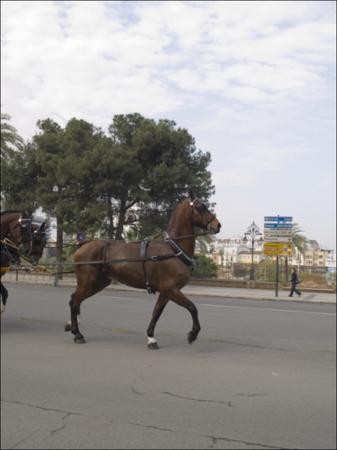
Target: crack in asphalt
column 133, row 390
column 153, row 427
column 221, row 402
column 244, row 394
column 52, row 432
column 43, row 408
column 239, row 441
column 62, row 427
column 214, row 439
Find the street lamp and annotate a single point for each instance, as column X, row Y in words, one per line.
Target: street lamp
column 253, row 231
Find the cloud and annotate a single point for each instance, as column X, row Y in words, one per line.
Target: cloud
column 79, row 55
column 254, row 82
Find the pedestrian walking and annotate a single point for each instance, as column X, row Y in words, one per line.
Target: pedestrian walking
column 294, row 281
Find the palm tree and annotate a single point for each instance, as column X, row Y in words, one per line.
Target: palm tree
column 299, row 241
column 203, row 243
column 10, row 140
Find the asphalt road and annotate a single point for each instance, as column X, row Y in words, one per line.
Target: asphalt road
column 260, row 375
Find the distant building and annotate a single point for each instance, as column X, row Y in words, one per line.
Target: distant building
column 226, row 252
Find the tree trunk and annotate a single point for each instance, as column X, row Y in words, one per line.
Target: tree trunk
column 59, row 247
column 121, row 218
column 286, row 269
column 110, row 217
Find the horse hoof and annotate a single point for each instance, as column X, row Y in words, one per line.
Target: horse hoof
column 67, row 327
column 191, row 337
column 79, row 340
column 153, row 346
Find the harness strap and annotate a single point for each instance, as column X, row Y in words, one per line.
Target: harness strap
column 180, row 252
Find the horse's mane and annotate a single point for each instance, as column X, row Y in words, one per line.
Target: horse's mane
column 175, row 212
column 10, row 211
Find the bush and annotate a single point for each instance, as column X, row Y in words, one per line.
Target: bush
column 240, row 270
column 205, row 267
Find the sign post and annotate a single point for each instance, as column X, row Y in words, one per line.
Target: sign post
column 277, row 276
column 277, row 240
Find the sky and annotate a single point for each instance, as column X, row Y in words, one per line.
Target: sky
column 253, row 82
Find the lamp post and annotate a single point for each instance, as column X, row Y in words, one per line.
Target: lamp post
column 253, row 231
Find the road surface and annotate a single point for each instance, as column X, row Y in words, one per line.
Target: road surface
column 261, row 374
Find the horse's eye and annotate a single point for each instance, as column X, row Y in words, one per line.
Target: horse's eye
column 201, row 208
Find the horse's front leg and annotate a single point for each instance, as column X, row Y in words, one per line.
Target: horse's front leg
column 73, row 325
column 179, row 298
column 158, row 309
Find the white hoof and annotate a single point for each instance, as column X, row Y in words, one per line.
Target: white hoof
column 152, row 343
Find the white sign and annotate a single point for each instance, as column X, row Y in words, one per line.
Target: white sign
column 278, row 230
column 268, row 232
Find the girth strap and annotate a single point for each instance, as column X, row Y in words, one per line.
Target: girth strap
column 143, row 255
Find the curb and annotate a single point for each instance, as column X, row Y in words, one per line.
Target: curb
column 187, row 291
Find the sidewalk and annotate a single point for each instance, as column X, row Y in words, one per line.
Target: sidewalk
column 243, row 293
column 261, row 294
column 190, row 289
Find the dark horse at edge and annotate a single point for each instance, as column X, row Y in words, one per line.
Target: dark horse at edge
column 18, row 231
column 26, row 238
column 165, row 269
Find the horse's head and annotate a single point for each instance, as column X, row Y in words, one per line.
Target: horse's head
column 39, row 240
column 17, row 230
column 25, row 244
column 202, row 217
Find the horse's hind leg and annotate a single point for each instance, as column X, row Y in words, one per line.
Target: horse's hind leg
column 4, row 296
column 179, row 298
column 158, row 309
column 86, row 288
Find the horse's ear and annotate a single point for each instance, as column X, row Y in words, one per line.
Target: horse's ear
column 191, row 195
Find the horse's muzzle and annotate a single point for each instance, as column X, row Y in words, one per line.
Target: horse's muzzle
column 214, row 227
column 25, row 248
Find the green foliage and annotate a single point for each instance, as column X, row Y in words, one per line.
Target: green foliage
column 10, row 139
column 205, row 267
column 266, row 270
column 94, row 183
column 240, row 270
column 155, row 164
column 299, row 240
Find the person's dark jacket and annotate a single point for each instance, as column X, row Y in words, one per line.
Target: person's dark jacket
column 294, row 278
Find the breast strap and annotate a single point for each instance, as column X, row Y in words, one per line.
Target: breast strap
column 179, row 251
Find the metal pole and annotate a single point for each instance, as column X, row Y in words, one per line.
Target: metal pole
column 252, row 277
column 277, row 276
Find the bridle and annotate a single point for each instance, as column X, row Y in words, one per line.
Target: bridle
column 26, row 231
column 201, row 208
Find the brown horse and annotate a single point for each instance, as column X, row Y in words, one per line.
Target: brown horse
column 162, row 265
column 16, row 238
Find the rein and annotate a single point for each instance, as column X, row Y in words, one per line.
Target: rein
column 8, row 243
column 202, row 233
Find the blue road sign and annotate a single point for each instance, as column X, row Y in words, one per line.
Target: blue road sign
column 278, row 225
column 278, row 219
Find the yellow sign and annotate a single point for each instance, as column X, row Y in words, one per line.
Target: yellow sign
column 277, row 249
